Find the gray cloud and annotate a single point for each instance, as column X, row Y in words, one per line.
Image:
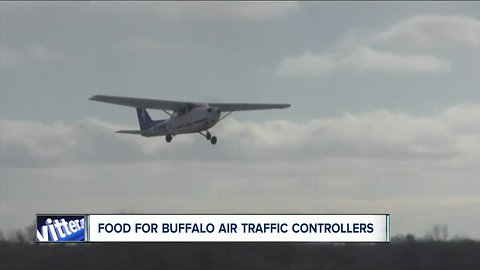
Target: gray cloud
column 433, row 31
column 249, row 11
column 139, row 44
column 41, row 53
column 230, row 10
column 380, row 134
column 9, row 57
column 15, row 57
column 357, row 49
column 360, row 59
column 306, row 64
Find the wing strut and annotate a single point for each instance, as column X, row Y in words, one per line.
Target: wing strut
column 225, row 116
column 169, row 114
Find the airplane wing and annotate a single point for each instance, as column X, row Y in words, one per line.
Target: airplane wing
column 135, row 132
column 177, row 105
column 141, row 102
column 233, row 107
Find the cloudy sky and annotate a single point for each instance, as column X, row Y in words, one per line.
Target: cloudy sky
column 385, row 114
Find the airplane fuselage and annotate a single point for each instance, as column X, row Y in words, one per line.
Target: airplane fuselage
column 196, row 120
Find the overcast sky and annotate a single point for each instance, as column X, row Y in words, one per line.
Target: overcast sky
column 385, row 114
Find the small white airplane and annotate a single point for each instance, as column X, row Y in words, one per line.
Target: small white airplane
column 185, row 117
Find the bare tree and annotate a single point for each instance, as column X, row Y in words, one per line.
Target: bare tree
column 25, row 235
column 436, row 232
column 444, row 232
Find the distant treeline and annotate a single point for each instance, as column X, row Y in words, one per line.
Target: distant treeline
column 404, row 253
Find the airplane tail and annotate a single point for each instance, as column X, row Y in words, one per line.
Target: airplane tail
column 144, row 119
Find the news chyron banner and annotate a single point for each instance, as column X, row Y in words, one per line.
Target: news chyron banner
column 214, row 228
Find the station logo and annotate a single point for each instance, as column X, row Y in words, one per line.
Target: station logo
column 66, row 228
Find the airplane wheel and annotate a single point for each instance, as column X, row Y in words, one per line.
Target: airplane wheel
column 213, row 140
column 208, row 136
column 168, row 138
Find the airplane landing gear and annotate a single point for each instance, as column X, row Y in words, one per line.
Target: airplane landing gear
column 168, row 138
column 209, row 137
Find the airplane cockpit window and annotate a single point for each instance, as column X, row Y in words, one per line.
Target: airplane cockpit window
column 188, row 108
